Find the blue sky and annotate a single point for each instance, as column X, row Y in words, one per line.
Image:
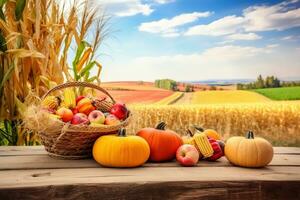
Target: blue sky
column 201, row 39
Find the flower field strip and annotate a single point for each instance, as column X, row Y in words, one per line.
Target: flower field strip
column 140, row 96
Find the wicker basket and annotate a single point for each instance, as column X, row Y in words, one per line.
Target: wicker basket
column 76, row 141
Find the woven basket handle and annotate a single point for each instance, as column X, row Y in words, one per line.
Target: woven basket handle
column 78, row 84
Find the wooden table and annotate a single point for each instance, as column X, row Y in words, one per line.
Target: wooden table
column 29, row 173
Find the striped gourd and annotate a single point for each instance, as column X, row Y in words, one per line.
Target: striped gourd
column 203, row 144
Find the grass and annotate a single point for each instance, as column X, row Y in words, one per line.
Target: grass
column 232, row 96
column 284, row 93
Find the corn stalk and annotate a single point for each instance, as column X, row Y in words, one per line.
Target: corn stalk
column 36, row 38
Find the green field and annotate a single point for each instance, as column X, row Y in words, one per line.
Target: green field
column 284, row 93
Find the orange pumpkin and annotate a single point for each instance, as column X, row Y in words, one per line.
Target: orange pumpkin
column 121, row 150
column 249, row 151
column 163, row 143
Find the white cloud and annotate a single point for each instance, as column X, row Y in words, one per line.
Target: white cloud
column 167, row 27
column 223, row 26
column 124, row 8
column 244, row 36
column 277, row 17
column 225, row 42
column 163, row 1
column 221, row 62
column 291, row 38
column 272, row 45
column 171, row 35
column 256, row 18
column 230, row 53
column 121, row 8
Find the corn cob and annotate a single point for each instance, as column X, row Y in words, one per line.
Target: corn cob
column 190, row 140
column 103, row 104
column 69, row 98
column 51, row 102
column 203, row 144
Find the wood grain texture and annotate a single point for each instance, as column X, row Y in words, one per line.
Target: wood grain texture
column 46, row 162
column 234, row 190
column 46, row 177
column 22, row 150
column 29, row 173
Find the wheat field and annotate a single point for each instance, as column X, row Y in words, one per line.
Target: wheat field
column 232, row 96
column 278, row 122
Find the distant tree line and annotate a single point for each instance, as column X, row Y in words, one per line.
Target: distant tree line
column 268, row 82
column 167, row 84
column 189, row 88
column 290, row 83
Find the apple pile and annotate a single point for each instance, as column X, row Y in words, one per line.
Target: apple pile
column 84, row 112
column 204, row 144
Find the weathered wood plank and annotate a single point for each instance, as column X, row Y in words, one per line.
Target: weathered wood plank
column 234, row 190
column 59, row 177
column 46, row 162
column 46, row 177
column 33, row 174
column 22, row 150
column 39, row 150
column 287, row 150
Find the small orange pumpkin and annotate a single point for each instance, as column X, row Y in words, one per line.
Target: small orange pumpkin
column 163, row 143
column 121, row 150
column 248, row 151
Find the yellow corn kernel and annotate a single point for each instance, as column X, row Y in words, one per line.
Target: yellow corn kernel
column 69, row 98
column 203, row 144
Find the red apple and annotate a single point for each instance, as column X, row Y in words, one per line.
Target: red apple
column 111, row 120
column 79, row 98
column 187, row 155
column 96, row 117
column 119, row 110
column 80, row 118
column 65, row 113
column 75, row 111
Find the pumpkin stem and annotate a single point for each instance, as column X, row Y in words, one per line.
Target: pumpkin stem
column 198, row 128
column 250, row 135
column 189, row 132
column 122, row 132
column 161, row 126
